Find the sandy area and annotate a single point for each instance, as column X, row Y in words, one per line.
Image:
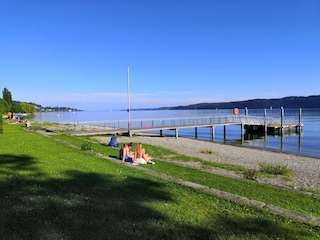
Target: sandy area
column 305, row 170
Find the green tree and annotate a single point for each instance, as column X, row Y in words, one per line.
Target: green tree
column 15, row 108
column 4, row 106
column 7, row 96
column 27, row 108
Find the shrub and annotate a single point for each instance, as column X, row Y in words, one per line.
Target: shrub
column 275, row 169
column 86, row 146
column 251, row 174
column 207, row 151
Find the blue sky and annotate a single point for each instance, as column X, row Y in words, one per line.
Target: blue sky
column 76, row 53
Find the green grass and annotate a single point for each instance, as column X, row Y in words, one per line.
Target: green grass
column 252, row 190
column 49, row 190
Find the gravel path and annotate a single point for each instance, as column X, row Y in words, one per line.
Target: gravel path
column 305, row 170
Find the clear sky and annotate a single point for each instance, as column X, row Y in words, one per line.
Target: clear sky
column 76, row 53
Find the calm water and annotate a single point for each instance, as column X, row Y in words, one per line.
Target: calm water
column 306, row 143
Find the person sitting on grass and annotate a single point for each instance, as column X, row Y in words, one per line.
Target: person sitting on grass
column 125, row 154
column 140, row 156
column 131, row 153
column 114, row 141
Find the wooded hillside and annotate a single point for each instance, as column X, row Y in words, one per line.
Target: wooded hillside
column 286, row 102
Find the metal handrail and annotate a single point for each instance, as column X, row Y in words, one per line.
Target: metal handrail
column 176, row 122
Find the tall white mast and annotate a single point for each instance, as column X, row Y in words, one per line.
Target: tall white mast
column 129, row 120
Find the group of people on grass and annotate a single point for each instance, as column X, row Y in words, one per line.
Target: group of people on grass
column 126, row 154
column 138, row 156
column 17, row 119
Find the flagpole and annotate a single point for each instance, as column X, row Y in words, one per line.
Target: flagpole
column 129, row 120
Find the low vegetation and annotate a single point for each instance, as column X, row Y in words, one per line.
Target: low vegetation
column 267, row 170
column 207, row 151
column 250, row 174
column 50, row 190
column 275, row 169
column 86, row 146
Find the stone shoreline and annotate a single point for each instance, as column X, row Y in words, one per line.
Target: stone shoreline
column 305, row 170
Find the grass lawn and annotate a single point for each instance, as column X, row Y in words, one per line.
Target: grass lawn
column 278, row 197
column 51, row 191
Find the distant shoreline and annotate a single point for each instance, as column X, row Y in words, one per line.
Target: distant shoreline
column 293, row 102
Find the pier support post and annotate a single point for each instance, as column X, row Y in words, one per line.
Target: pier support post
column 281, row 141
column 299, row 143
column 282, row 120
column 265, row 122
column 300, row 120
column 196, row 133
column 224, row 132
column 212, row 133
column 242, row 133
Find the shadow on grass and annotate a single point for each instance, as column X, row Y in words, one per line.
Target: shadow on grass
column 13, row 162
column 82, row 205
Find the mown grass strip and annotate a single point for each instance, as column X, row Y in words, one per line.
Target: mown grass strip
column 279, row 197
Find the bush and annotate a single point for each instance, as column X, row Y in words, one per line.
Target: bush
column 275, row 169
column 251, row 174
column 207, row 151
column 86, row 146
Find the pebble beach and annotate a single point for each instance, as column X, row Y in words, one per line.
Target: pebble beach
column 305, row 170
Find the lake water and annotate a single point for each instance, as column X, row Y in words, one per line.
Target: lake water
column 305, row 143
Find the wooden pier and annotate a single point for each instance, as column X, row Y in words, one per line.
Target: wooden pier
column 248, row 124
column 278, row 126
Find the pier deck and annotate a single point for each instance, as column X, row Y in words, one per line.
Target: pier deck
column 247, row 124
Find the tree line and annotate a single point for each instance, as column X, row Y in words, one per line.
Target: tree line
column 286, row 102
column 7, row 105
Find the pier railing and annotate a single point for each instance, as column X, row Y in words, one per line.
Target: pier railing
column 149, row 123
column 255, row 120
column 115, row 125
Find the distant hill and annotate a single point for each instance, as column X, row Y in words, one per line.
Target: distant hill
column 286, row 102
